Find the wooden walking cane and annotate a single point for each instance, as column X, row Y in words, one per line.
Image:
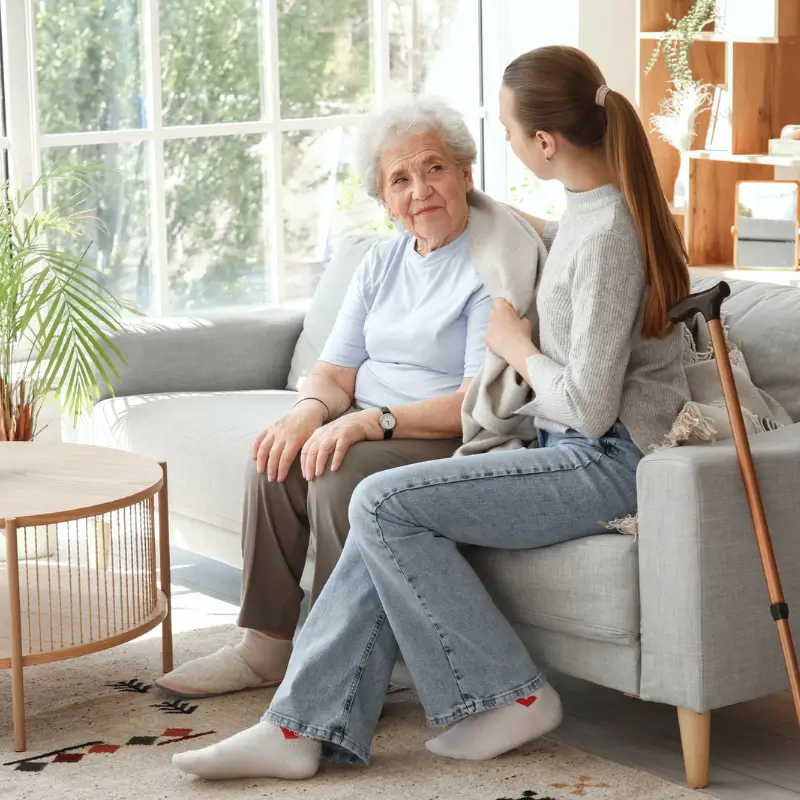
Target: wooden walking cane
column 709, row 304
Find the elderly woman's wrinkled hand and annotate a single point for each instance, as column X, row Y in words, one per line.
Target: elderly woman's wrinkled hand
column 509, row 336
column 277, row 446
column 332, row 442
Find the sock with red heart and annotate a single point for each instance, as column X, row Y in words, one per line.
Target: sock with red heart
column 491, row 733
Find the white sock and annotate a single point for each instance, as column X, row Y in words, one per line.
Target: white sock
column 263, row 751
column 491, row 733
column 266, row 656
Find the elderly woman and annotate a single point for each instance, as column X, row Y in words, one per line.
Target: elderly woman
column 386, row 392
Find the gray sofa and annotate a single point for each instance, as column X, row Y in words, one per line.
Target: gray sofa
column 678, row 614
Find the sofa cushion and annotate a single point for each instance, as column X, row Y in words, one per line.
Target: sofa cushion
column 586, row 588
column 241, row 350
column 204, row 438
column 764, row 320
column 326, row 303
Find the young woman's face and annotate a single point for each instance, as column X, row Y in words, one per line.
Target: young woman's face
column 532, row 151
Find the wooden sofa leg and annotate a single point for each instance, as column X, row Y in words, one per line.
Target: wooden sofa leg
column 696, row 741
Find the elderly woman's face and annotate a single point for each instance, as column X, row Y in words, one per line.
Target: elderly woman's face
column 425, row 188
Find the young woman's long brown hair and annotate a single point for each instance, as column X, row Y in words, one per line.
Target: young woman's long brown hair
column 555, row 91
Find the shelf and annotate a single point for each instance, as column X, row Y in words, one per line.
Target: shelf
column 715, row 37
column 735, row 158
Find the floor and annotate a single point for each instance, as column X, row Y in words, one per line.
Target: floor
column 755, row 747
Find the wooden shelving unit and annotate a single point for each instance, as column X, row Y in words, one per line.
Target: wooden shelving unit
column 761, row 73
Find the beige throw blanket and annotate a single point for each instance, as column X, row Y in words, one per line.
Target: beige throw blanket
column 705, row 418
column 508, row 255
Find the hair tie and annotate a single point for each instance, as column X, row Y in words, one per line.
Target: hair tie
column 600, row 97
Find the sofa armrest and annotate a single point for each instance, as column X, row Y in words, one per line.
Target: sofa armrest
column 708, row 639
column 215, row 352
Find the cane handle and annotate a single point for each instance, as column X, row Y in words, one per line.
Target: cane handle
column 707, row 303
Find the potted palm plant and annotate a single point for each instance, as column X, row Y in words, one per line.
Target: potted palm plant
column 56, row 313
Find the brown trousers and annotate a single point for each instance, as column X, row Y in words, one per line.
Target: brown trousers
column 280, row 517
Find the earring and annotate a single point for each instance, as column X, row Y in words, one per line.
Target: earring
column 548, row 157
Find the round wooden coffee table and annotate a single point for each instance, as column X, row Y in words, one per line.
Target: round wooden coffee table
column 81, row 551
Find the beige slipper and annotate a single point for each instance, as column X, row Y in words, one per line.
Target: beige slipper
column 222, row 672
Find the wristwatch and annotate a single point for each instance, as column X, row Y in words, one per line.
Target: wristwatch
column 388, row 422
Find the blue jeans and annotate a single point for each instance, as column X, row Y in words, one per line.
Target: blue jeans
column 403, row 583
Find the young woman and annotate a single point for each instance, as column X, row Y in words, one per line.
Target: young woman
column 608, row 384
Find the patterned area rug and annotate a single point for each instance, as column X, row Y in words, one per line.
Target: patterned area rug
column 98, row 729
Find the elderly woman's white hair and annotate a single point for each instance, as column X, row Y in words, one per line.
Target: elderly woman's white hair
column 411, row 118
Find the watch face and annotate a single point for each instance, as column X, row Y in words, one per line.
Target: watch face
column 388, row 421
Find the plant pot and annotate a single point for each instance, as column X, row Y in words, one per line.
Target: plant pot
column 681, row 188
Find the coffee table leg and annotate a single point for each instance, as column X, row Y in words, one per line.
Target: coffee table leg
column 163, row 544
column 17, row 683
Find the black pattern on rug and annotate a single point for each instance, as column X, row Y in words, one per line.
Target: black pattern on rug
column 175, row 707
column 134, row 685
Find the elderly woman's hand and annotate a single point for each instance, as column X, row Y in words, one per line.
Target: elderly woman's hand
column 509, row 336
column 277, row 446
column 332, row 442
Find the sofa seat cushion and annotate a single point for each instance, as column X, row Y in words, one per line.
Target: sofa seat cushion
column 587, row 588
column 205, row 438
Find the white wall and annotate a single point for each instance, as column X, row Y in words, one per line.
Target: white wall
column 607, row 32
column 535, row 23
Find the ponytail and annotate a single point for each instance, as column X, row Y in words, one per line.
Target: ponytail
column 556, row 90
column 663, row 249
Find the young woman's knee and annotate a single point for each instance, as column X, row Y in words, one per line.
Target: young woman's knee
column 374, row 500
column 364, row 503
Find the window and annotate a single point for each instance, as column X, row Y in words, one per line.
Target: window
column 224, row 129
column 434, row 48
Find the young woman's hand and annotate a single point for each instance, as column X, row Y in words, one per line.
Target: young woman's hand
column 509, row 336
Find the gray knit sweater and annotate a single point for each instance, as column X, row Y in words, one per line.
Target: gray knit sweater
column 595, row 367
